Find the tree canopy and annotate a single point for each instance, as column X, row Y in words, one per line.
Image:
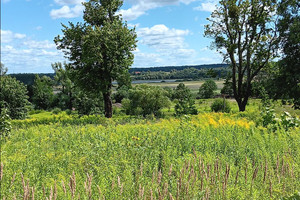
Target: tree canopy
column 244, row 32
column 100, row 49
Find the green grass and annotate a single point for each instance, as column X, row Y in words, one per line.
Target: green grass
column 132, row 159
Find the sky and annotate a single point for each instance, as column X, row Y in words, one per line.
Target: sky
column 170, row 32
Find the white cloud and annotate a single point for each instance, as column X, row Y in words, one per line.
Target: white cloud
column 8, row 36
column 68, row 2
column 165, row 46
column 140, row 7
column 208, row 6
column 161, row 37
column 20, row 54
column 67, row 12
column 46, row 44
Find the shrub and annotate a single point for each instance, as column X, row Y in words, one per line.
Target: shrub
column 122, row 93
column 88, row 103
column 43, row 95
column 220, row 105
column 13, row 96
column 56, row 111
column 145, row 100
column 185, row 103
column 207, row 89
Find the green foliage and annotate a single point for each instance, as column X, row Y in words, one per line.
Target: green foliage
column 43, row 95
column 88, row 103
column 56, row 111
column 180, row 72
column 227, row 88
column 100, row 50
column 14, row 97
column 63, row 81
column 124, row 159
column 185, row 104
column 271, row 120
column 220, row 105
column 289, row 40
column 207, row 89
column 146, row 100
column 122, row 93
column 244, row 32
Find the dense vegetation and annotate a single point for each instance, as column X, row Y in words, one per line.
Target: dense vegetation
column 210, row 156
column 164, row 141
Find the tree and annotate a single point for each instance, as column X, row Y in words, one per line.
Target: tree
column 100, row 50
column 146, row 100
column 289, row 66
column 244, row 32
column 207, row 89
column 185, row 103
column 13, row 97
column 227, row 88
column 63, row 79
column 43, row 95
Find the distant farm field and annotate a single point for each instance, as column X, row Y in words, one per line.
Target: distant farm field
column 193, row 85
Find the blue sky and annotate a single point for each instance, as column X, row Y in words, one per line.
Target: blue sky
column 170, row 32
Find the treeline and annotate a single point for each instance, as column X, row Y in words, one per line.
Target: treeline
column 28, row 78
column 186, row 73
column 153, row 73
column 170, row 68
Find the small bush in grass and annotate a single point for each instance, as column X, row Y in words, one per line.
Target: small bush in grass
column 56, row 111
column 220, row 105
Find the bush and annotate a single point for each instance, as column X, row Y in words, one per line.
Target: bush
column 185, row 103
column 14, row 97
column 207, row 89
column 43, row 95
column 145, row 100
column 56, row 111
column 220, row 105
column 88, row 103
column 122, row 93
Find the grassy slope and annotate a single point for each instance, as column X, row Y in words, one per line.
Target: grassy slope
column 194, row 146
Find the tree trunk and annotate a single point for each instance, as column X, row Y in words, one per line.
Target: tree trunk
column 242, row 106
column 107, row 104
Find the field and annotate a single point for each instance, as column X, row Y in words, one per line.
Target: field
column 193, row 85
column 207, row 156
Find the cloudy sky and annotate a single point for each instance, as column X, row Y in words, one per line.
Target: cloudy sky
column 170, row 32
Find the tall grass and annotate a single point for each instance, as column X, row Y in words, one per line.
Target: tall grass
column 209, row 156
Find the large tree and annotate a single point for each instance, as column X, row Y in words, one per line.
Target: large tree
column 100, row 49
column 244, row 33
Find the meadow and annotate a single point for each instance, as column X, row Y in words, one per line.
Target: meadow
column 192, row 85
column 206, row 156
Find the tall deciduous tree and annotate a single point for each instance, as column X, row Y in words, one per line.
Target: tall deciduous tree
column 244, row 32
column 100, row 50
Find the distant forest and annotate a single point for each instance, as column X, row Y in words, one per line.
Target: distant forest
column 192, row 72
